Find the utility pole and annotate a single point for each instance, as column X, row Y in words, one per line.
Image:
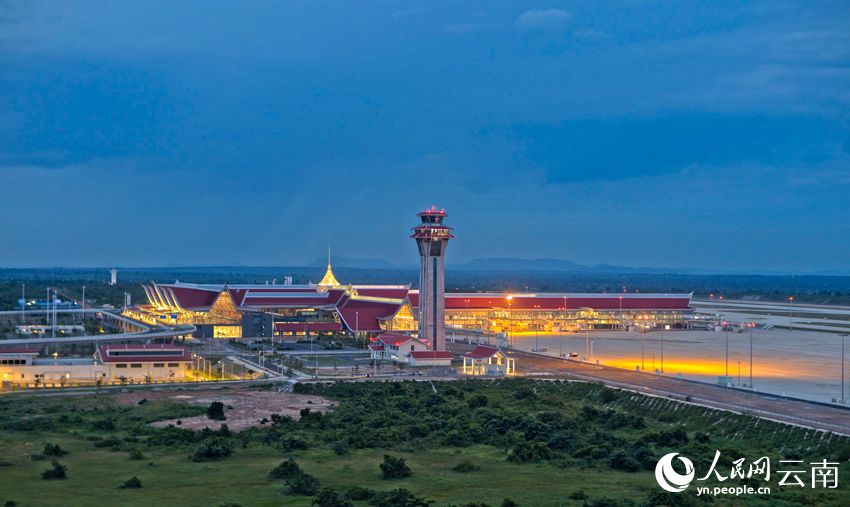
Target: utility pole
column 790, row 314
column 662, row 349
column 752, row 325
column 642, row 340
column 843, row 399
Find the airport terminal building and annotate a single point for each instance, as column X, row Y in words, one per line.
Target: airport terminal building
column 261, row 310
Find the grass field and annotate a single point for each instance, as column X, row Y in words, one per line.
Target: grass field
column 581, row 425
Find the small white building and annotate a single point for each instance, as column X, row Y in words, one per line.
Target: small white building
column 396, row 347
column 488, row 361
column 136, row 363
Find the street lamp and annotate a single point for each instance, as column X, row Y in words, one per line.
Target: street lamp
column 752, row 326
column 727, row 354
column 843, row 400
column 563, row 323
column 357, row 328
column 662, row 349
column 511, row 320
column 791, row 314
column 642, row 340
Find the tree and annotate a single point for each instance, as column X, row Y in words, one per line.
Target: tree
column 328, row 497
column 131, row 483
column 57, row 472
column 303, row 484
column 286, row 470
column 395, row 468
column 216, row 411
column 123, row 380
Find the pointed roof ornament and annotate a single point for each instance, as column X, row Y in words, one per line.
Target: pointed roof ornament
column 329, row 280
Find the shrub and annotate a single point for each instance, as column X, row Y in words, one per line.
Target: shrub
column 672, row 438
column 104, row 424
column 667, row 417
column 479, row 400
column 529, row 452
column 136, row 454
column 230, row 504
column 286, row 470
column 38, row 457
column 340, row 448
column 216, row 411
column 54, row 450
column 578, row 494
column 394, row 468
column 289, row 444
column 57, row 472
column 303, row 484
column 211, row 450
column 328, row 497
column 358, row 493
column 108, row 442
column 607, row 395
column 131, row 483
column 465, row 467
column 398, row 498
column 622, row 461
column 507, row 502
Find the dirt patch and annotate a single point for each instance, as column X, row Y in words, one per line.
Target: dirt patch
column 250, row 406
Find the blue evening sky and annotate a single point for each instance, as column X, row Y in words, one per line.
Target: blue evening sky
column 663, row 134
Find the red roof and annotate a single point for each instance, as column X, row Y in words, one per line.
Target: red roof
column 190, row 298
column 364, row 315
column 395, row 338
column 553, row 302
column 310, row 326
column 30, row 352
column 431, row 354
column 109, row 354
column 382, row 292
column 376, row 347
column 482, row 352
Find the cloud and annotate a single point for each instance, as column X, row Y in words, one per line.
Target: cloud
column 465, row 27
column 547, row 20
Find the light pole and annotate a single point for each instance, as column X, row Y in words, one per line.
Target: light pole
column 511, row 321
column 563, row 323
column 54, row 314
column 357, row 328
column 727, row 355
column 843, row 400
column 642, row 340
column 662, row 349
column 23, row 302
column 752, row 325
column 790, row 314
column 84, row 297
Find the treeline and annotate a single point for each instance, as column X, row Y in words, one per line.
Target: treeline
column 810, row 289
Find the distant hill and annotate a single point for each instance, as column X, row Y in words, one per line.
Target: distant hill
column 344, row 262
column 509, row 264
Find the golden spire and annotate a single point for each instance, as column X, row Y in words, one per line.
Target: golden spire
column 329, row 280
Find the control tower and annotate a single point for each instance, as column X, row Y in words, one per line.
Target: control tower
column 432, row 238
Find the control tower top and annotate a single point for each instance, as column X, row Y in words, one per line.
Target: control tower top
column 432, row 225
